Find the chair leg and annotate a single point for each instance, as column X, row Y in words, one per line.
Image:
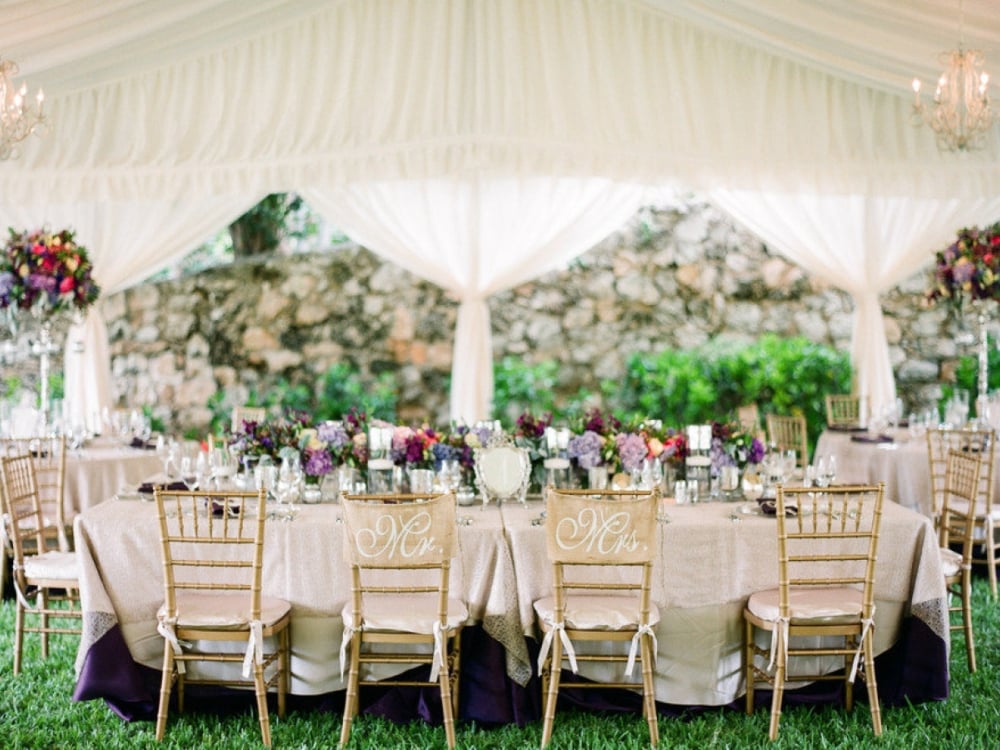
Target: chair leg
column 351, row 702
column 848, row 685
column 779, row 689
column 871, row 683
column 748, row 656
column 18, row 636
column 284, row 665
column 555, row 664
column 260, row 692
column 444, row 681
column 991, row 556
column 454, row 668
column 648, row 691
column 42, row 602
column 970, row 644
column 165, row 683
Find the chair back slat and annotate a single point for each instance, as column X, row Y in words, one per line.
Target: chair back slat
column 22, row 511
column 410, row 535
column 844, row 410
column 212, row 542
column 789, row 433
column 828, row 537
column 980, row 443
column 958, row 510
column 48, row 455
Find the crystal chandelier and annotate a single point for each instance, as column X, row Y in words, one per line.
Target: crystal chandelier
column 18, row 117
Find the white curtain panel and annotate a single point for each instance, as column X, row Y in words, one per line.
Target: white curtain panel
column 332, row 93
column 861, row 244
column 475, row 237
column 127, row 242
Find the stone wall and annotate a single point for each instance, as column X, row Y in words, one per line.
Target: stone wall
column 673, row 277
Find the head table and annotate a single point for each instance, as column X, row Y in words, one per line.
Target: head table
column 711, row 558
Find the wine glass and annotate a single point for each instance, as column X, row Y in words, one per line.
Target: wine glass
column 189, row 473
column 222, row 466
column 166, row 451
column 822, row 476
column 830, row 475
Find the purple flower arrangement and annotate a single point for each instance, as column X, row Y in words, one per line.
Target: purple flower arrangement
column 46, row 271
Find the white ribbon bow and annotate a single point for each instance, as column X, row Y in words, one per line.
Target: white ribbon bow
column 633, row 650
column 779, row 637
column 345, row 641
column 167, row 628
column 557, row 627
column 867, row 623
column 438, row 658
column 255, row 647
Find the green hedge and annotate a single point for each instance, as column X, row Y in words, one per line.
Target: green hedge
column 681, row 387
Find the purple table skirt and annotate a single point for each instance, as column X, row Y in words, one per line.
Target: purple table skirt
column 914, row 670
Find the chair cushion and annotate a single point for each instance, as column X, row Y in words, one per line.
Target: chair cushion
column 206, row 610
column 951, row 562
column 405, row 613
column 59, row 566
column 831, row 605
column 596, row 612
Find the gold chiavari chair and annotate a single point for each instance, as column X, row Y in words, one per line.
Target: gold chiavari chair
column 844, row 409
column 48, row 577
column 827, row 545
column 213, row 551
column 399, row 548
column 958, row 521
column 789, row 434
column 48, row 454
column 588, row 534
column 986, row 527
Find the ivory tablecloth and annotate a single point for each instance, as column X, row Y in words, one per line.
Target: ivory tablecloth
column 97, row 472
column 711, row 558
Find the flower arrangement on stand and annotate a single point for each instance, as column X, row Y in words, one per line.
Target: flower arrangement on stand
column 44, row 274
column 969, row 269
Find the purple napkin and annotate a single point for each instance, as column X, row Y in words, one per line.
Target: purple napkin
column 148, row 487
column 872, row 439
column 846, row 428
column 140, row 443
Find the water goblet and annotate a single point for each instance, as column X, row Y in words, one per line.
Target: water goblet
column 822, row 477
column 831, row 470
column 189, row 473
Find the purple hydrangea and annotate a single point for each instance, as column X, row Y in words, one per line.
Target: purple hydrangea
column 586, row 449
column 333, row 434
column 318, row 462
column 41, row 282
column 631, row 450
column 963, row 271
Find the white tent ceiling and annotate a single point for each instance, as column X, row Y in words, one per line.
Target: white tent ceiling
column 174, row 107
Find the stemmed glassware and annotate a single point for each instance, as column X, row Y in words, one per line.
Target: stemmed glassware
column 222, row 466
column 192, row 471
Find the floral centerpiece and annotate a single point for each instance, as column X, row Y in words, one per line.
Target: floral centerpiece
column 413, row 448
column 46, row 273
column 257, row 439
column 346, row 439
column 734, row 446
column 969, row 268
column 459, row 443
column 529, row 433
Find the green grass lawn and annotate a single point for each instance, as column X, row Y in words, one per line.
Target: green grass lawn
column 36, row 711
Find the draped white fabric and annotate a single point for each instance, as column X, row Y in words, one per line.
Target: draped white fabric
column 221, row 100
column 475, row 237
column 127, row 241
column 861, row 244
column 362, row 90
